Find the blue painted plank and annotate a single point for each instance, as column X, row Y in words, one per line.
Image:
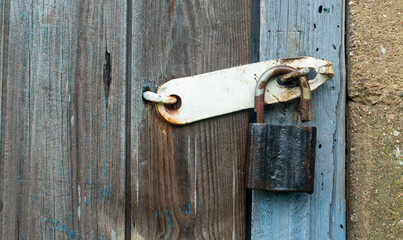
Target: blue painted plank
column 311, row 28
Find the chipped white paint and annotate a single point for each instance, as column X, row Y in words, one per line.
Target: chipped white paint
column 230, row 90
column 136, row 235
column 113, row 235
column 79, row 213
column 79, row 194
column 79, row 203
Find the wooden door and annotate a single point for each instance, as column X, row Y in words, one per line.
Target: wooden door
column 186, row 181
column 63, row 80
column 84, row 157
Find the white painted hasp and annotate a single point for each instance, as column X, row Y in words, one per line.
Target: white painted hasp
column 233, row 89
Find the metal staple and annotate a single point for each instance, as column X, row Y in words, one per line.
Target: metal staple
column 158, row 98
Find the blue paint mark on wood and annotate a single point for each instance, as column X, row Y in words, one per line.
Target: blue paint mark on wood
column 186, row 211
column 54, row 225
column 170, row 224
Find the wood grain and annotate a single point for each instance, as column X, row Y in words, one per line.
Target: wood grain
column 187, row 181
column 311, row 28
column 62, row 122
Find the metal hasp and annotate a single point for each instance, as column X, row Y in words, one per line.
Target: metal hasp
column 230, row 90
column 282, row 158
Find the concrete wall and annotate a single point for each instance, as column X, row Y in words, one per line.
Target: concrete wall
column 375, row 116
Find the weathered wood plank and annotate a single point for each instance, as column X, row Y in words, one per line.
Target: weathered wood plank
column 187, row 181
column 4, row 18
column 312, row 28
column 63, row 123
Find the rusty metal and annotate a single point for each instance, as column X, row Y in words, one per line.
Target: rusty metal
column 305, row 100
column 290, row 72
column 281, row 158
column 326, row 69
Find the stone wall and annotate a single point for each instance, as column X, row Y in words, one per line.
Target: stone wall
column 375, row 119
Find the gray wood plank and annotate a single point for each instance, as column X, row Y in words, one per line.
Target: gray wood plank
column 187, row 181
column 63, row 124
column 310, row 28
column 4, row 18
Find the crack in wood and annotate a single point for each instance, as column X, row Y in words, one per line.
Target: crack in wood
column 107, row 75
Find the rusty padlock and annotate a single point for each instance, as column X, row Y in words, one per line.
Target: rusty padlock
column 282, row 158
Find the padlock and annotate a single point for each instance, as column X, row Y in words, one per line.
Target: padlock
column 281, row 158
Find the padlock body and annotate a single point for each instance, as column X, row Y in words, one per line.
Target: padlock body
column 281, row 158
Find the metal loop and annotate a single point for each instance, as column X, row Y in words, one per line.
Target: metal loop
column 290, row 72
column 158, row 98
column 261, row 86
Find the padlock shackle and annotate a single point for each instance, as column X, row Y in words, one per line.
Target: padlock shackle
column 261, row 87
column 305, row 99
